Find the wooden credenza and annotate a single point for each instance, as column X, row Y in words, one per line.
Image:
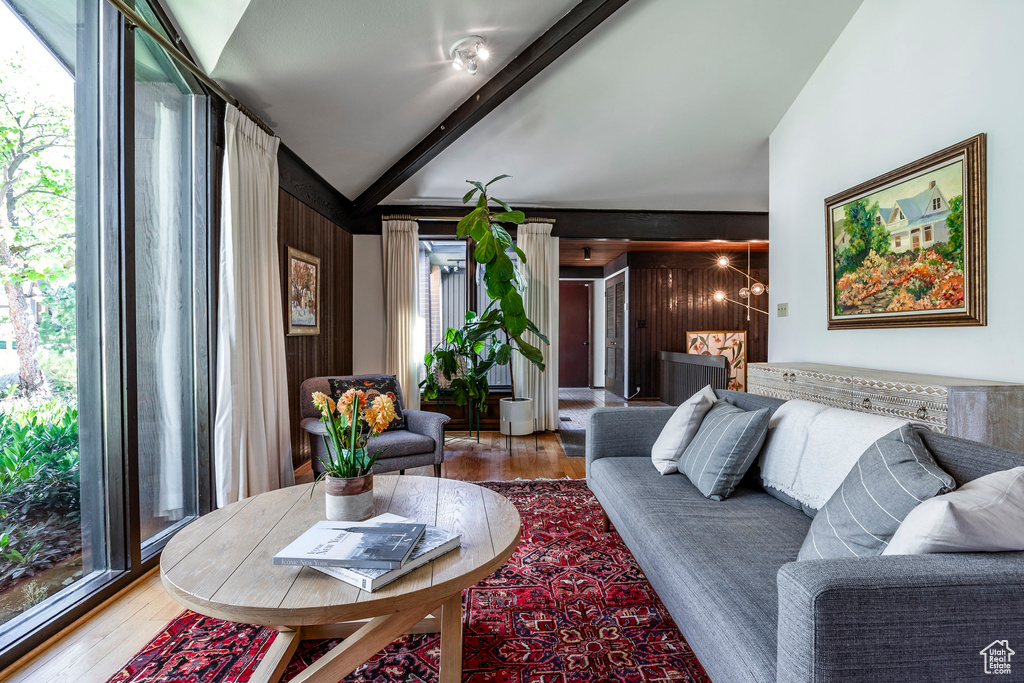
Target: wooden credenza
column 980, row 410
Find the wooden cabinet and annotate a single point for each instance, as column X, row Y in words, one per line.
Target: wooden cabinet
column 982, row 410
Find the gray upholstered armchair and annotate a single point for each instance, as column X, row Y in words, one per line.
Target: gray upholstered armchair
column 420, row 443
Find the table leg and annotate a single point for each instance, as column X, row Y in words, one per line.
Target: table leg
column 451, row 640
column 275, row 659
column 367, row 641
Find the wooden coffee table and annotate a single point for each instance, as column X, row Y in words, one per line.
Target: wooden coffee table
column 221, row 566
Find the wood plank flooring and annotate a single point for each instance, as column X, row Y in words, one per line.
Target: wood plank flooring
column 101, row 643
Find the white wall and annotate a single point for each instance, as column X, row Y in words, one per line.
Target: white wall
column 597, row 331
column 367, row 305
column 905, row 79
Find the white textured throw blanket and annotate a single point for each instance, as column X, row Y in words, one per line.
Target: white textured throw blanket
column 811, row 448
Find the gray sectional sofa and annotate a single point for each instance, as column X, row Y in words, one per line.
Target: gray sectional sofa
column 726, row 571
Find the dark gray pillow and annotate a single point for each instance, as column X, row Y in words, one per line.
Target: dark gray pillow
column 724, row 448
column 893, row 476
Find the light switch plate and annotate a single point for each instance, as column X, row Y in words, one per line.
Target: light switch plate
column 783, row 310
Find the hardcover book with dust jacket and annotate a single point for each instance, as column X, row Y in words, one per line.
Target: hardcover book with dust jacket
column 373, row 544
column 435, row 542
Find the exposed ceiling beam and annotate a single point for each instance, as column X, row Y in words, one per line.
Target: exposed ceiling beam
column 566, row 32
column 597, row 223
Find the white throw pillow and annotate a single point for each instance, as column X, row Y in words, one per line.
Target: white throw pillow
column 811, row 448
column 680, row 429
column 984, row 515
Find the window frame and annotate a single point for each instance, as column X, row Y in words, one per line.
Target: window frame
column 107, row 371
column 471, row 292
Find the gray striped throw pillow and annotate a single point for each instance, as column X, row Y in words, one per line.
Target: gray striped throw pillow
column 895, row 475
column 724, row 448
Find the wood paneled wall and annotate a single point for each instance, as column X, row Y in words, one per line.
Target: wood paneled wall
column 672, row 294
column 330, row 352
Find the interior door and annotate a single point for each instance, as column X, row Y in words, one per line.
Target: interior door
column 615, row 335
column 574, row 333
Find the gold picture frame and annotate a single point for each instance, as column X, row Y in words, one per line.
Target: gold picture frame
column 303, row 295
column 908, row 248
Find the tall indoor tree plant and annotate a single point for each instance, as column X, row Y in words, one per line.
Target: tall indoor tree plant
column 500, row 327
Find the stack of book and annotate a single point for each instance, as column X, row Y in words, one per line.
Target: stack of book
column 368, row 554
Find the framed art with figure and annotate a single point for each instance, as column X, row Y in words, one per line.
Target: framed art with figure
column 303, row 293
column 907, row 249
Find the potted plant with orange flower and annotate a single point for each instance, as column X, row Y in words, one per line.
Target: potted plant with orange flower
column 350, row 423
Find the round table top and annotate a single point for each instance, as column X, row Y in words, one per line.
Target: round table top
column 222, row 566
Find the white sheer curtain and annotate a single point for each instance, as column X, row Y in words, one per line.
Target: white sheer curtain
column 252, row 444
column 541, row 304
column 401, row 311
column 171, row 371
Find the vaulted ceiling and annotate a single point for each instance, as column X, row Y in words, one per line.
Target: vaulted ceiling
column 666, row 105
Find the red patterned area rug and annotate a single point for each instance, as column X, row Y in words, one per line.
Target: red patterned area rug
column 570, row 606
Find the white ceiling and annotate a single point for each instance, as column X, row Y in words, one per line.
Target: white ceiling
column 352, row 85
column 667, row 105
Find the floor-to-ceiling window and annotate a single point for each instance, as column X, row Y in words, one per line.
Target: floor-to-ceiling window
column 104, row 290
column 44, row 549
column 170, row 143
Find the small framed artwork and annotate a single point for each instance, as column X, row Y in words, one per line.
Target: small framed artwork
column 303, row 293
column 729, row 343
column 907, row 249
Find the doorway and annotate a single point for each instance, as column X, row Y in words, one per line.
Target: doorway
column 574, row 338
column 615, row 334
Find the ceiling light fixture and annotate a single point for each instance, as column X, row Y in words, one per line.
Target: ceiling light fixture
column 753, row 288
column 468, row 53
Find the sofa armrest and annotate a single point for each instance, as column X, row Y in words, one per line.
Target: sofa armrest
column 428, row 424
column 624, row 432
column 900, row 617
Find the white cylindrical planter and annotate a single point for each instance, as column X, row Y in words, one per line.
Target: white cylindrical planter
column 349, row 500
column 516, row 416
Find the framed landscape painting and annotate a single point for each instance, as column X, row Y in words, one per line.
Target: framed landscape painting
column 907, row 249
column 303, row 293
column 729, row 343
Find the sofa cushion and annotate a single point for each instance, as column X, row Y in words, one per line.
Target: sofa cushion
column 680, row 429
column 893, row 476
column 373, row 385
column 724, row 448
column 984, row 515
column 396, row 443
column 810, row 448
column 713, row 565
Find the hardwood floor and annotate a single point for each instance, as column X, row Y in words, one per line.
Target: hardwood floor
column 101, row 643
column 574, row 404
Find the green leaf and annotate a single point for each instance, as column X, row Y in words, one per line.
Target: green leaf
column 512, row 304
column 515, row 324
column 500, row 203
column 469, row 195
column 477, row 185
column 503, row 268
column 479, row 229
column 485, row 251
column 530, row 353
column 503, row 355
column 494, row 180
column 467, row 222
column 519, row 253
column 533, row 328
column 516, row 217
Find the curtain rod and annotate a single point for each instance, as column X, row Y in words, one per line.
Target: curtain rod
column 448, row 219
column 137, row 21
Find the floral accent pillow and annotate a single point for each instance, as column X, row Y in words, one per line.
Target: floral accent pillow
column 373, row 385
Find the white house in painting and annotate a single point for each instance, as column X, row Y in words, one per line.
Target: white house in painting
column 916, row 222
